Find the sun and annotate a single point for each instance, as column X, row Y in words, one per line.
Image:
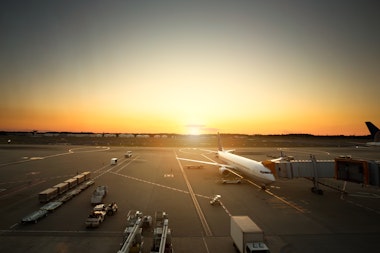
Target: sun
column 194, row 129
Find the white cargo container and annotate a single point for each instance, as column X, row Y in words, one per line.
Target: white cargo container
column 247, row 236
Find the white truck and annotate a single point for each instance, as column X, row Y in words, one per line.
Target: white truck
column 128, row 154
column 113, row 161
column 110, row 209
column 95, row 218
column 247, row 236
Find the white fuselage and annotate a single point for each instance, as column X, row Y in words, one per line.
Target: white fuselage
column 250, row 168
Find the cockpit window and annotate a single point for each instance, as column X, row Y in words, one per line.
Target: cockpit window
column 265, row 172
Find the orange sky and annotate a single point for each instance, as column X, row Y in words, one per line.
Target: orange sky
column 250, row 68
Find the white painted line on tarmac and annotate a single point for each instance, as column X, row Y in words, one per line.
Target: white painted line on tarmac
column 13, row 226
column 148, row 182
column 129, row 162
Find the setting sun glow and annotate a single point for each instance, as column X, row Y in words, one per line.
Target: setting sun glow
column 188, row 69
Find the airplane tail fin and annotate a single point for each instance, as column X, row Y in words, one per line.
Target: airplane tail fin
column 372, row 129
column 220, row 147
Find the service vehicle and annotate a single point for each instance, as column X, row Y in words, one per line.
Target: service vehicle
column 110, row 209
column 132, row 237
column 99, row 193
column 128, row 154
column 247, row 237
column 35, row 216
column 215, row 200
column 95, row 219
column 113, row 161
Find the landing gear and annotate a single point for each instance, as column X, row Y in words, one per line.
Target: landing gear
column 315, row 189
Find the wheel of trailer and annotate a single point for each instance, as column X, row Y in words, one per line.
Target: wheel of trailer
column 320, row 192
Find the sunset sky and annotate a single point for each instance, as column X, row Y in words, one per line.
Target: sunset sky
column 251, row 67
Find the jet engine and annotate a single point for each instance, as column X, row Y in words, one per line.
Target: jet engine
column 224, row 171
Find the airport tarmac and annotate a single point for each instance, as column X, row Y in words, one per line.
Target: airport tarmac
column 293, row 218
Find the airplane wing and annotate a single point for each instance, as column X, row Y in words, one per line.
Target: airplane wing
column 204, row 162
column 208, row 150
column 228, row 167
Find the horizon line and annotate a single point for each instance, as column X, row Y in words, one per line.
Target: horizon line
column 166, row 133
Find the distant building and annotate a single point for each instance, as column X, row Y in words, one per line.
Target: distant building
column 127, row 136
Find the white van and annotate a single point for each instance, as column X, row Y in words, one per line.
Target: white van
column 113, row 161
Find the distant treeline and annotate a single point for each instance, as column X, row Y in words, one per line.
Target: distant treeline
column 164, row 135
column 176, row 140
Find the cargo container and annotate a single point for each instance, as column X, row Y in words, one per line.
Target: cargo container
column 61, row 187
column 72, row 182
column 47, row 195
column 80, row 178
column 87, row 175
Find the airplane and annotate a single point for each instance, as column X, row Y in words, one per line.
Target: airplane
column 375, row 134
column 238, row 165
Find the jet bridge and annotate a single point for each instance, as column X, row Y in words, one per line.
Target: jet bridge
column 357, row 171
column 341, row 168
column 305, row 168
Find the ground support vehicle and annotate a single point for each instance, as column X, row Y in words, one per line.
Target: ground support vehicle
column 146, row 221
column 85, row 185
column 60, row 189
column 61, row 194
column 215, row 200
column 110, row 209
column 95, row 219
column 35, row 216
column 162, row 242
column 51, row 206
column 113, row 161
column 247, row 236
column 133, row 239
column 98, row 195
